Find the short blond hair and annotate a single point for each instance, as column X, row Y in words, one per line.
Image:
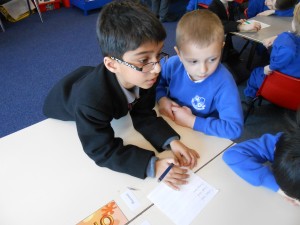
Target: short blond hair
column 201, row 27
column 296, row 19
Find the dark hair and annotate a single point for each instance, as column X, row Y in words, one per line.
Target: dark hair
column 285, row 4
column 125, row 25
column 286, row 166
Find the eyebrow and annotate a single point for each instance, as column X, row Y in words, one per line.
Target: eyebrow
column 196, row 59
column 147, row 52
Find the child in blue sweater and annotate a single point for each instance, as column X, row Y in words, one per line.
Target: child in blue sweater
column 271, row 161
column 192, row 3
column 195, row 90
column 285, row 57
column 271, row 7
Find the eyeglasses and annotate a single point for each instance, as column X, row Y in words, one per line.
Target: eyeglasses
column 145, row 68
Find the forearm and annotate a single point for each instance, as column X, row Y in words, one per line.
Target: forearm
column 230, row 129
column 115, row 156
column 249, row 159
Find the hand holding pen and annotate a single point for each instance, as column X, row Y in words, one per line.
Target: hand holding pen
column 185, row 156
column 168, row 171
column 246, row 26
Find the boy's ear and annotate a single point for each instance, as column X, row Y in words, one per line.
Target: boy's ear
column 110, row 64
column 177, row 52
column 223, row 44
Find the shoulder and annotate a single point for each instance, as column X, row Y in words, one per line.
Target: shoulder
column 92, row 75
column 221, row 82
column 266, row 143
column 173, row 59
column 173, row 63
column 99, row 84
column 285, row 35
column 223, row 74
column 286, row 39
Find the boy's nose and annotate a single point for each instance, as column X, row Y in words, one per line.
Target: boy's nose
column 203, row 68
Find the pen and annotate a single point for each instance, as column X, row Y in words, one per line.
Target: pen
column 132, row 189
column 247, row 22
column 165, row 172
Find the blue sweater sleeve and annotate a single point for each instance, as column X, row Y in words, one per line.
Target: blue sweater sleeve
column 283, row 51
column 255, row 7
column 285, row 13
column 250, row 160
column 229, row 121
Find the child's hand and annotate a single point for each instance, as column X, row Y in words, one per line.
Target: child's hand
column 165, row 107
column 176, row 176
column 288, row 198
column 186, row 157
column 183, row 116
column 268, row 42
column 266, row 13
column 251, row 27
column 267, row 70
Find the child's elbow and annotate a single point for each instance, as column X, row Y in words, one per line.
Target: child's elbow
column 229, row 157
column 236, row 132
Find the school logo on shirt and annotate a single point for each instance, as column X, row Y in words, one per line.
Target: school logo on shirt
column 198, row 102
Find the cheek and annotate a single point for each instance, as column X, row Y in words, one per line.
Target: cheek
column 213, row 67
column 190, row 68
column 132, row 76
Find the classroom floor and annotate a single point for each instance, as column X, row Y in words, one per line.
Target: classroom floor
column 35, row 55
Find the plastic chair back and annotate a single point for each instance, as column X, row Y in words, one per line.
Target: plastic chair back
column 281, row 90
column 203, row 6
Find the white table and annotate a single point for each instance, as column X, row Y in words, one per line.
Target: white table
column 236, row 203
column 46, row 178
column 277, row 24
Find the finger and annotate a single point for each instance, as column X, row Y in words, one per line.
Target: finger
column 179, row 158
column 179, row 172
column 187, row 157
column 171, row 115
column 196, row 154
column 175, row 108
column 174, row 104
column 176, row 162
column 196, row 157
column 192, row 163
column 178, row 178
column 171, row 185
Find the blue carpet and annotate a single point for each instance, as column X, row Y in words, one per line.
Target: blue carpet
column 35, row 55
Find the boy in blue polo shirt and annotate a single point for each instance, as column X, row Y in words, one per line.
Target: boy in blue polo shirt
column 271, row 161
column 195, row 90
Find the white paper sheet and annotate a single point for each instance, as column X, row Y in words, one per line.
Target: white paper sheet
column 184, row 205
column 130, row 199
column 263, row 25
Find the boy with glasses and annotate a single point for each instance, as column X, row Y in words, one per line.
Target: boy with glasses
column 131, row 39
column 195, row 89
